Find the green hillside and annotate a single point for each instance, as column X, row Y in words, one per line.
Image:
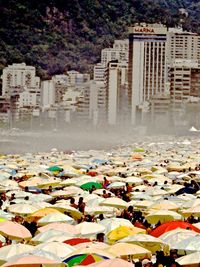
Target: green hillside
column 59, row 35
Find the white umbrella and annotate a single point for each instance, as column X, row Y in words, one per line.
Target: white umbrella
column 23, row 208
column 45, row 236
column 114, row 202
column 55, row 217
column 177, row 235
column 192, row 260
column 190, row 244
column 89, row 228
column 62, row 250
column 12, row 250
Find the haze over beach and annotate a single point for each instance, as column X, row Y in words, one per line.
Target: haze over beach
column 100, row 133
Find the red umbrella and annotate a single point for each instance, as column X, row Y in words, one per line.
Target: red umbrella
column 168, row 226
column 76, row 241
column 92, row 173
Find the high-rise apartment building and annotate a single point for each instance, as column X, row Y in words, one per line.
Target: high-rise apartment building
column 184, row 80
column 117, row 85
column 147, row 65
column 182, row 45
column 21, row 76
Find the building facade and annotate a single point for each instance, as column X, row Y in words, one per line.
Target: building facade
column 147, row 65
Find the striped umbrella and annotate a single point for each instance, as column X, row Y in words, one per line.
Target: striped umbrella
column 84, row 259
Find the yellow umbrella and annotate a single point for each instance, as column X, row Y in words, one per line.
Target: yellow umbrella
column 147, row 241
column 74, row 213
column 122, row 249
column 192, row 211
column 41, row 213
column 163, row 216
column 164, row 205
column 123, row 231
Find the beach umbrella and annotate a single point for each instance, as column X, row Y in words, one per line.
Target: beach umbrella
column 177, row 235
column 14, row 231
column 113, row 223
column 60, row 249
column 149, row 242
column 123, row 231
column 31, row 260
column 89, row 228
column 122, row 249
column 114, row 202
column 112, row 263
column 47, row 235
column 138, row 149
column 90, row 185
column 41, row 213
column 84, row 259
column 195, row 211
column 55, row 168
column 13, row 250
column 92, row 245
column 53, row 182
column 134, row 180
column 164, row 205
column 141, row 204
column 166, row 227
column 163, row 216
column 116, row 185
column 189, row 244
column 60, row 226
column 23, row 208
column 76, row 240
column 191, row 260
column 55, row 217
column 155, row 192
column 72, row 212
column 99, row 210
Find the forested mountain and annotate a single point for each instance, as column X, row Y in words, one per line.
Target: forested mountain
column 58, row 35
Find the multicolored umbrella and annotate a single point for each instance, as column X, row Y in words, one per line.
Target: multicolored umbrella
column 84, row 259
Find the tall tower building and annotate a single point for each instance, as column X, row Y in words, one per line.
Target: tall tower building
column 116, row 88
column 147, row 65
column 182, row 45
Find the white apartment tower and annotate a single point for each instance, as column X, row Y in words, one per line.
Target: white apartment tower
column 117, row 91
column 21, row 76
column 119, row 52
column 147, row 64
column 182, row 45
column 47, row 94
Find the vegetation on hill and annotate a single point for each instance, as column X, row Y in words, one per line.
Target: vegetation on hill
column 59, row 35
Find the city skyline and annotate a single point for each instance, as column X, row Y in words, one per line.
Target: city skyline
column 154, row 73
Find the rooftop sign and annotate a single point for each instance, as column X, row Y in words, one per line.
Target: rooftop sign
column 148, row 30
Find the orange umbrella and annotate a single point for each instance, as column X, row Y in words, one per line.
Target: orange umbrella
column 65, row 227
column 31, row 260
column 14, row 230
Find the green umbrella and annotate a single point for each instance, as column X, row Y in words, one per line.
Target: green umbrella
column 139, row 150
column 55, row 168
column 89, row 185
